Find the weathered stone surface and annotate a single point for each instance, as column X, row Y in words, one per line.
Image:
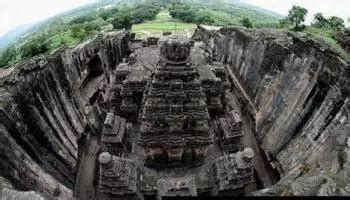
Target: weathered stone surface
column 151, row 41
column 230, row 132
column 43, row 117
column 7, row 192
column 114, row 134
column 185, row 187
column 232, row 173
column 343, row 37
column 174, row 116
column 296, row 88
column 118, row 176
column 291, row 91
column 175, row 51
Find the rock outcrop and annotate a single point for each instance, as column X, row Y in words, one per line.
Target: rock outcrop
column 7, row 192
column 296, row 89
column 343, row 37
column 292, row 91
column 43, row 104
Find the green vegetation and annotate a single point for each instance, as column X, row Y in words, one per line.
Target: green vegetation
column 163, row 23
column 322, row 28
column 297, row 16
column 122, row 21
column 82, row 19
column 145, row 12
column 224, row 15
column 327, row 35
column 105, row 14
column 7, row 55
column 81, row 31
column 126, row 17
column 191, row 14
column 247, row 23
column 334, row 23
column 35, row 46
column 74, row 27
column 155, row 17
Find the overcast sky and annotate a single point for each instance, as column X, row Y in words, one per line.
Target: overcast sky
column 14, row 13
column 340, row 8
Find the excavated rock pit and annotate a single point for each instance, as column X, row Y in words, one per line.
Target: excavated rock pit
column 286, row 93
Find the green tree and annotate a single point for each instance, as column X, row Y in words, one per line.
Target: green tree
column 204, row 18
column 182, row 12
column 3, row 63
column 189, row 14
column 283, row 23
column 246, row 22
column 91, row 28
column 145, row 12
column 297, row 16
column 35, row 46
column 82, row 31
column 82, row 19
column 320, row 21
column 78, row 31
column 336, row 23
column 108, row 13
column 122, row 21
column 8, row 55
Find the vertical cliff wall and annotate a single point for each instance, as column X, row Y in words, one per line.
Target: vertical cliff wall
column 42, row 113
column 296, row 88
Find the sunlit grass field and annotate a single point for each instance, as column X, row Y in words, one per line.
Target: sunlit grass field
column 163, row 22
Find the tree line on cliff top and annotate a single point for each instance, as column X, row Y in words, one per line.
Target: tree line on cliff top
column 72, row 30
column 331, row 29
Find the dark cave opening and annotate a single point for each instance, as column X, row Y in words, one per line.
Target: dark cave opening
column 94, row 69
column 336, row 108
column 94, row 66
column 317, row 97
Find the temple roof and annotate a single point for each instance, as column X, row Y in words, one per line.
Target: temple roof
column 118, row 176
column 116, row 133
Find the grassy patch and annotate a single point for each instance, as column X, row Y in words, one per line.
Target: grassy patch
column 164, row 22
column 90, row 20
column 63, row 38
column 225, row 15
column 326, row 36
column 163, row 16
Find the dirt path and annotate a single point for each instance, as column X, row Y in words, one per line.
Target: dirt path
column 85, row 188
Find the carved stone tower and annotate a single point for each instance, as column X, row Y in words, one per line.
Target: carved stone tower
column 174, row 117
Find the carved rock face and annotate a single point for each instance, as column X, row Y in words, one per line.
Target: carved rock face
column 105, row 158
column 174, row 50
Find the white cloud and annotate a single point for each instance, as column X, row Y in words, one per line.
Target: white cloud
column 14, row 13
column 340, row 8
